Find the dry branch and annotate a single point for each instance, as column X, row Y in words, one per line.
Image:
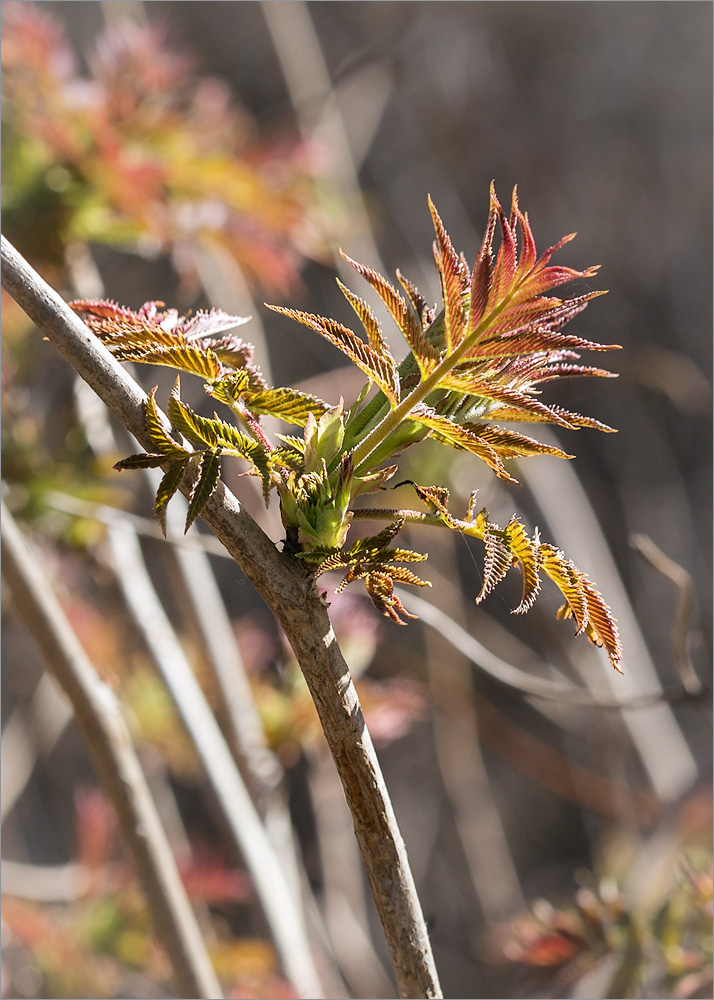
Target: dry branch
column 100, row 719
column 293, row 598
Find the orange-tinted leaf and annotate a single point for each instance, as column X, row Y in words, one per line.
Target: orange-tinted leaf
column 510, row 444
column 369, row 321
column 459, row 437
column 424, row 312
column 454, row 283
column 380, row 368
column 567, row 579
column 525, row 550
column 403, row 316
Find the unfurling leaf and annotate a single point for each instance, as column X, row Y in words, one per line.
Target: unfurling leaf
column 381, row 367
column 507, row 546
column 206, row 482
column 164, row 338
column 167, row 487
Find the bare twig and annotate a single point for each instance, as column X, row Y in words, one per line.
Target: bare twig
column 683, row 612
column 292, row 596
column 279, row 891
column 100, row 718
column 516, row 679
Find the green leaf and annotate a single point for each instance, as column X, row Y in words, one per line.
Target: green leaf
column 219, row 436
column 188, row 357
column 199, row 430
column 167, row 487
column 155, row 429
column 230, row 388
column 286, row 404
column 206, row 482
column 141, row 461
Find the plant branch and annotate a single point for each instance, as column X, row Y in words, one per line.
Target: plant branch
column 100, row 719
column 277, row 899
column 290, row 592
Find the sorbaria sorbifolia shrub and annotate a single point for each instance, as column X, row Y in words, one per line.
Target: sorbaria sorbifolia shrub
column 470, row 368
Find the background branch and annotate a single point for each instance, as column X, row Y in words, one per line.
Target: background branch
column 100, row 719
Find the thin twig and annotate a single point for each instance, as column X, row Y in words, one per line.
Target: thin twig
column 683, row 612
column 257, row 764
column 291, row 594
column 99, row 716
column 516, row 679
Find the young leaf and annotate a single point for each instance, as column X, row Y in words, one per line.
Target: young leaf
column 454, row 283
column 459, row 437
column 188, row 357
column 380, row 368
column 525, row 550
column 289, row 405
column 155, row 429
column 380, row 587
column 410, row 325
column 209, row 324
column 142, row 461
column 168, row 486
column 206, row 482
column 369, row 321
column 165, row 338
column 506, row 546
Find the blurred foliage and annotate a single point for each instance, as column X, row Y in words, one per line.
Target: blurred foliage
column 92, row 944
column 129, row 147
column 141, row 153
column 640, row 926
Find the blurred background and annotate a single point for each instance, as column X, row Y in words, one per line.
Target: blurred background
column 220, row 154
